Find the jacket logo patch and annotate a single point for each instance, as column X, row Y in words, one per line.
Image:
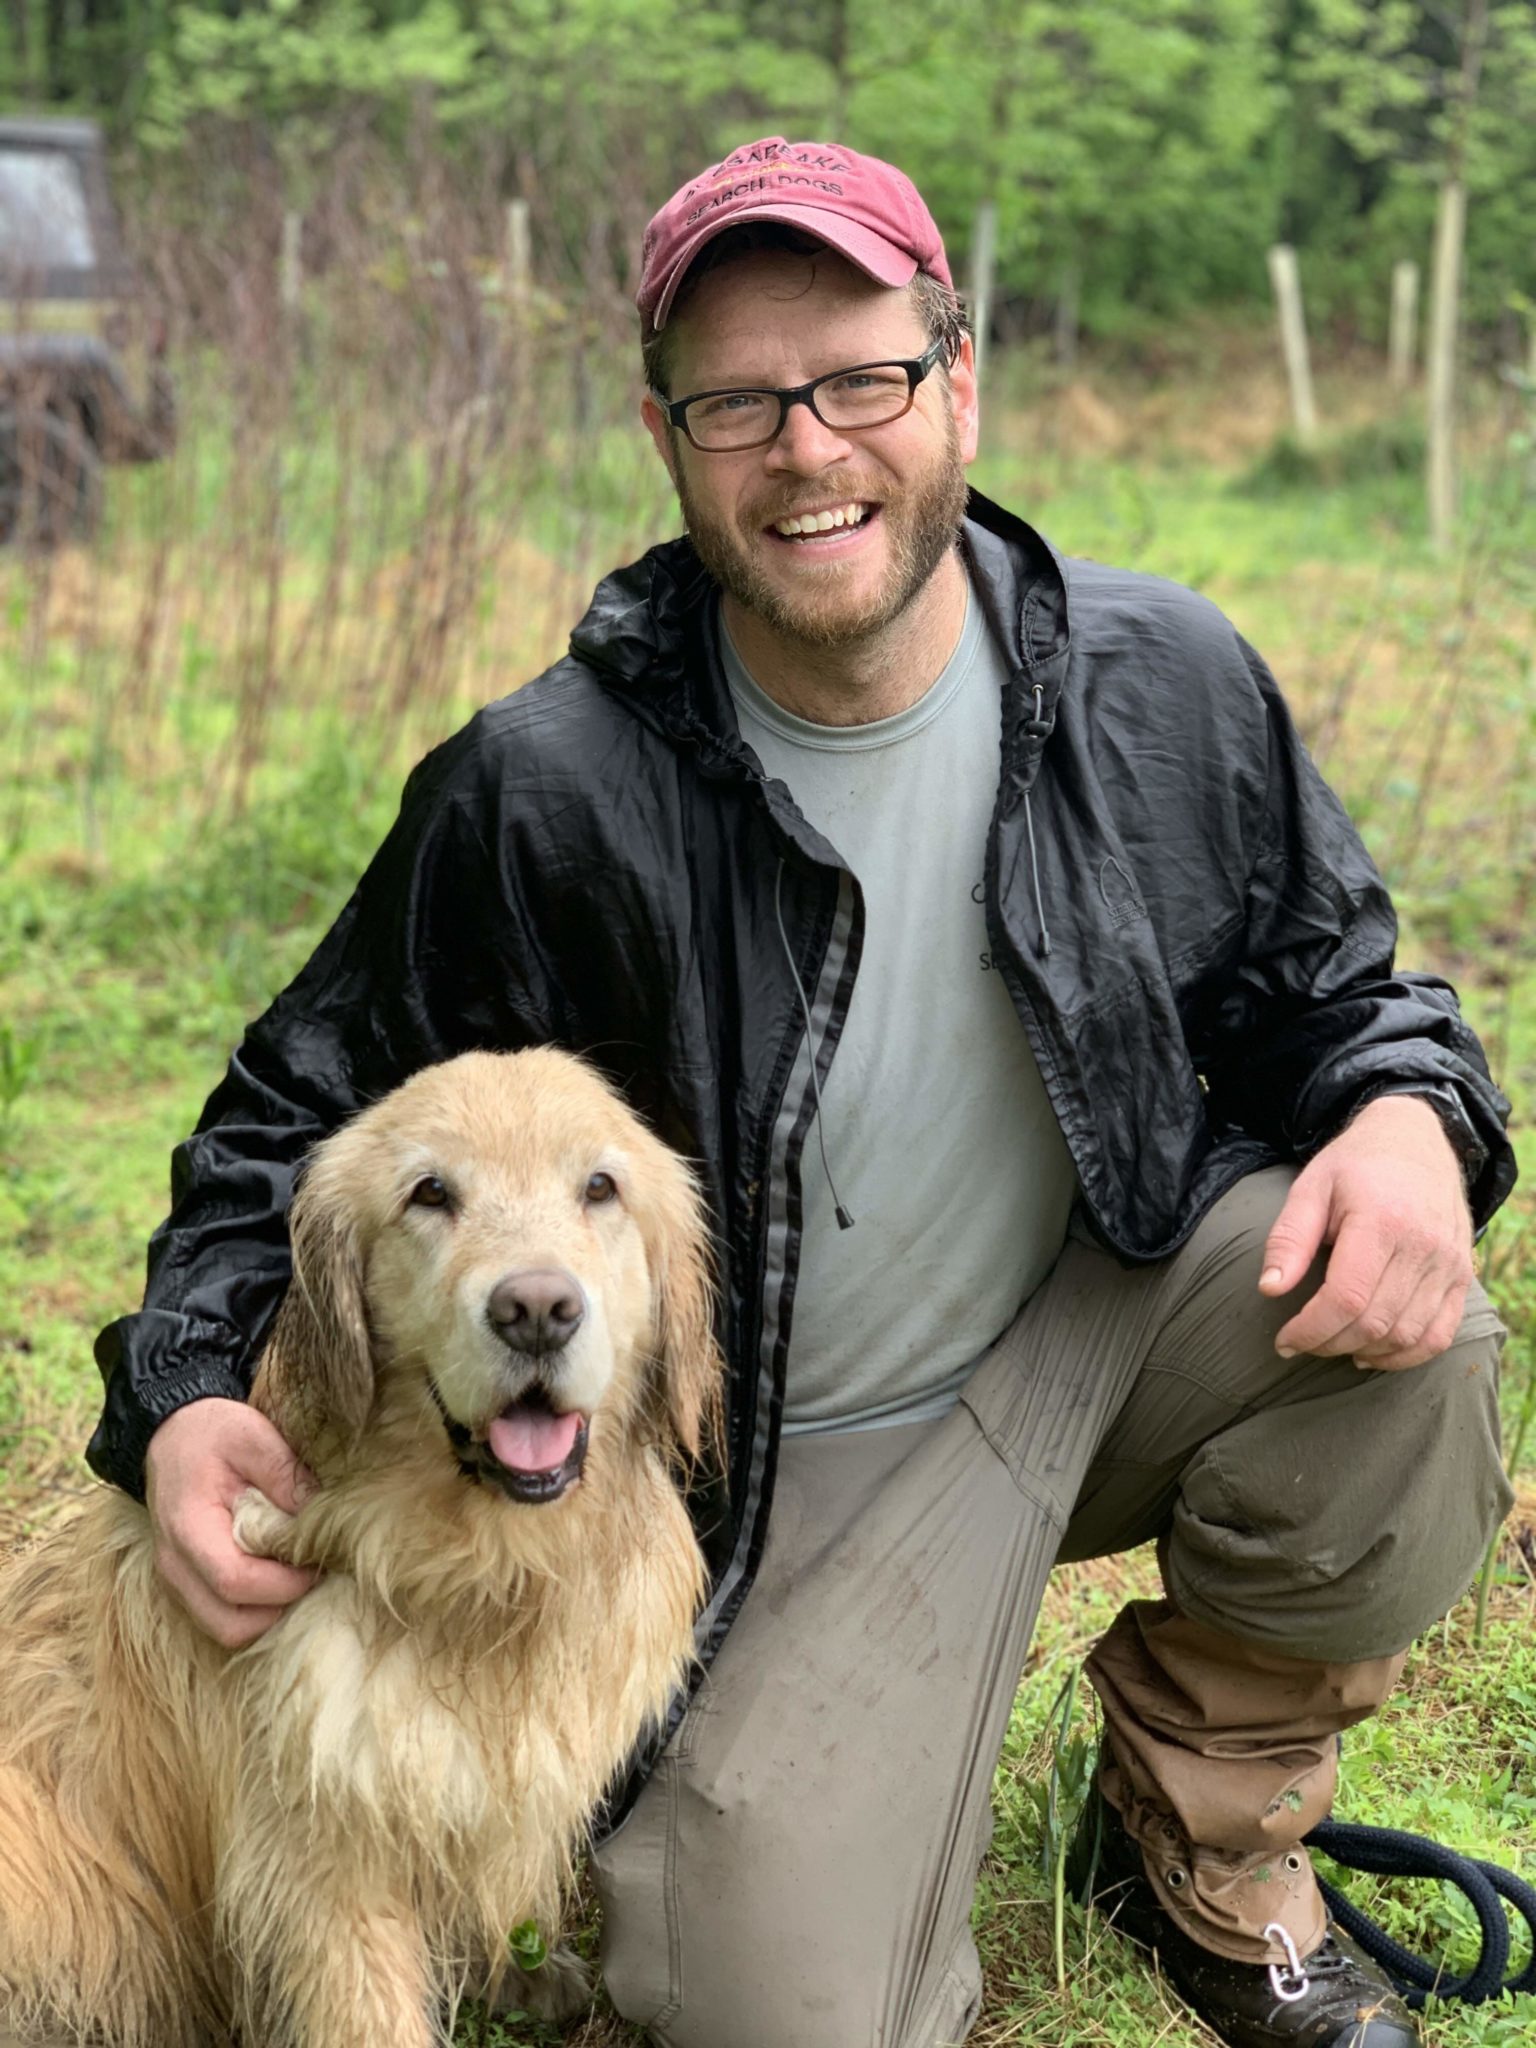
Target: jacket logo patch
column 1121, row 898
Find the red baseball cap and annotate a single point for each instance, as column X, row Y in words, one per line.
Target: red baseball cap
column 865, row 209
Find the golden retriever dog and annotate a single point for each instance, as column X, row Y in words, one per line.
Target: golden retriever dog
column 496, row 1355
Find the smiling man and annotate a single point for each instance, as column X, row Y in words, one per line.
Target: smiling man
column 896, row 668
column 1084, row 1171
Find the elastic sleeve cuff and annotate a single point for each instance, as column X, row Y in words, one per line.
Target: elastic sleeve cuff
column 118, row 1446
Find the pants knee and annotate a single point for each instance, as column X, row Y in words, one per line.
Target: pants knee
column 1341, row 1527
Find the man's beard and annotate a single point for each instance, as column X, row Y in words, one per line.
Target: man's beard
column 920, row 527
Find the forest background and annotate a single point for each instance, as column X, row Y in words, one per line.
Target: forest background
column 390, row 250
column 1139, row 151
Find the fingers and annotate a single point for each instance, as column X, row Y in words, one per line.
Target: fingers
column 1297, row 1235
column 1425, row 1329
column 1365, row 1288
column 1388, row 1303
column 233, row 1626
column 1387, row 1194
column 236, row 1442
column 233, row 1597
column 201, row 1460
column 270, row 1462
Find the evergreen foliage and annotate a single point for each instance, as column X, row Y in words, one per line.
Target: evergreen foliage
column 1142, row 153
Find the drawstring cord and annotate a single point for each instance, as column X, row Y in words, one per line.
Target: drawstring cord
column 1038, row 728
column 1034, row 876
column 844, row 1220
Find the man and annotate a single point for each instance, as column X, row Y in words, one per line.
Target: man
column 977, row 922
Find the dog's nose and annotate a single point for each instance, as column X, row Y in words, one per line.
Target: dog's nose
column 537, row 1311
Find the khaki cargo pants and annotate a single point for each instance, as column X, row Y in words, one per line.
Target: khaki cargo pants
column 799, row 1870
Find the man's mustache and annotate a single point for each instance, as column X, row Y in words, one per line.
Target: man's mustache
column 833, row 491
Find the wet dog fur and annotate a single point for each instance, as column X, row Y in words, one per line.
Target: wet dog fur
column 316, row 1842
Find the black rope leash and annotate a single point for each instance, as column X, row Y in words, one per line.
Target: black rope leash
column 1389, row 1852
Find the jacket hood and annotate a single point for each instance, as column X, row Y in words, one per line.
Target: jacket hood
column 649, row 622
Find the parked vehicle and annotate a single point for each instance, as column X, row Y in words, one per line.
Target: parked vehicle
column 83, row 381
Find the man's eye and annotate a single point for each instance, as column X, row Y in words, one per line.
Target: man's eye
column 430, row 1193
column 861, row 382
column 731, row 401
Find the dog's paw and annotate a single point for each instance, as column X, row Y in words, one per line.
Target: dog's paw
column 259, row 1526
column 561, row 1989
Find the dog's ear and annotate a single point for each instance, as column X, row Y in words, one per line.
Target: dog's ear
column 317, row 1374
column 690, row 1390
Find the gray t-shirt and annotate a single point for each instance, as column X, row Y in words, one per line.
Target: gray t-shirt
column 938, row 1132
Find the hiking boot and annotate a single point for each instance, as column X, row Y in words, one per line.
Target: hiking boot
column 1339, row 1998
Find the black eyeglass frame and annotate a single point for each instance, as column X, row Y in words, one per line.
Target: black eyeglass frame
column 916, row 367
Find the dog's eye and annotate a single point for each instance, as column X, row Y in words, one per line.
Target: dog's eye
column 602, row 1187
column 429, row 1193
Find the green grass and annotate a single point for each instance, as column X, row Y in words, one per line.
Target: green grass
column 156, row 888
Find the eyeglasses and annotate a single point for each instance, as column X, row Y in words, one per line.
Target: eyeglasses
column 867, row 395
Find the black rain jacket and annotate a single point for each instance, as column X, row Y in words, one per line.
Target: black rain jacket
column 1197, row 944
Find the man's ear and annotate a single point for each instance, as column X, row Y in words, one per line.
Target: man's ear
column 659, row 427
column 963, row 399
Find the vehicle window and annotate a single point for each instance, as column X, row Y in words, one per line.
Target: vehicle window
column 44, row 223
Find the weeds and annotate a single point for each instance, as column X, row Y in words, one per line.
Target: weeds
column 18, row 1064
column 1517, row 1304
column 1067, row 1787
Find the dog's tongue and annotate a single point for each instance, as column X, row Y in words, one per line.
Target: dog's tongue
column 533, row 1440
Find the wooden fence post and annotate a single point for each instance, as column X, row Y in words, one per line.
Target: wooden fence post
column 1286, row 279
column 1444, row 331
column 519, row 286
column 1403, row 336
column 291, row 264
column 519, row 251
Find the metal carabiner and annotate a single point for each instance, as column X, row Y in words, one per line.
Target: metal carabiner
column 1300, row 1982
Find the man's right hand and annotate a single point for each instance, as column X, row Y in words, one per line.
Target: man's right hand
column 200, row 1460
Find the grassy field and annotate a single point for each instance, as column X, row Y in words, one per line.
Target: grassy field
column 203, row 723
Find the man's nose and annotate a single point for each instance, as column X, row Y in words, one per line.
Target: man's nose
column 806, row 445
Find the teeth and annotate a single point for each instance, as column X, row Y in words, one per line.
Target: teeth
column 822, row 522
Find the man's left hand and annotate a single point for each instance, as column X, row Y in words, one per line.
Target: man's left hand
column 1387, row 1195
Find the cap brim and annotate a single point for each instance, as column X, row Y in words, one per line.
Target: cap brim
column 869, row 252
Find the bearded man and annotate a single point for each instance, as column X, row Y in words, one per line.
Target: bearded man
column 1084, row 1171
